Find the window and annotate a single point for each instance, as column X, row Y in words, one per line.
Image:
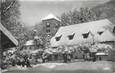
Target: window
column 48, row 41
column 58, row 38
column 71, row 36
column 85, row 35
column 48, row 35
column 100, row 32
column 56, row 26
column 47, row 30
column 47, row 25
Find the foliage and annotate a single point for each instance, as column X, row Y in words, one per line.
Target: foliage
column 78, row 16
column 10, row 18
column 39, row 27
column 102, row 11
column 106, row 10
column 10, row 13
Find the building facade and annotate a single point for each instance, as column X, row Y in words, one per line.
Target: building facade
column 51, row 24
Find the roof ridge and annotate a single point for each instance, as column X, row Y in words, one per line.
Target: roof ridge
column 50, row 16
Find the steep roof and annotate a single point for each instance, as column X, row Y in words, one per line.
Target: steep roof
column 93, row 28
column 8, row 34
column 50, row 16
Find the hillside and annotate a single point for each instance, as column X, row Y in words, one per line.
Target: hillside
column 106, row 10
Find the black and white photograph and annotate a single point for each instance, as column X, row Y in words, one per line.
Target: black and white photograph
column 57, row 36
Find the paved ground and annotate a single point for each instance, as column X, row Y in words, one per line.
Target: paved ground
column 76, row 67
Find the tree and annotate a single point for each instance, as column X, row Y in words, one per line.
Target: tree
column 39, row 27
column 9, row 13
column 10, row 18
column 75, row 16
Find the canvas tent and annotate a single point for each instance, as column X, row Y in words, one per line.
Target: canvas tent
column 7, row 39
column 95, row 31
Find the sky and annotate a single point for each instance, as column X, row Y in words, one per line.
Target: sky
column 32, row 11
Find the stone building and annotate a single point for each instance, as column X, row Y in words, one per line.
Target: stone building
column 51, row 24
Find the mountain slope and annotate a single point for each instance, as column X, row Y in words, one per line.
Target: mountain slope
column 106, row 10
